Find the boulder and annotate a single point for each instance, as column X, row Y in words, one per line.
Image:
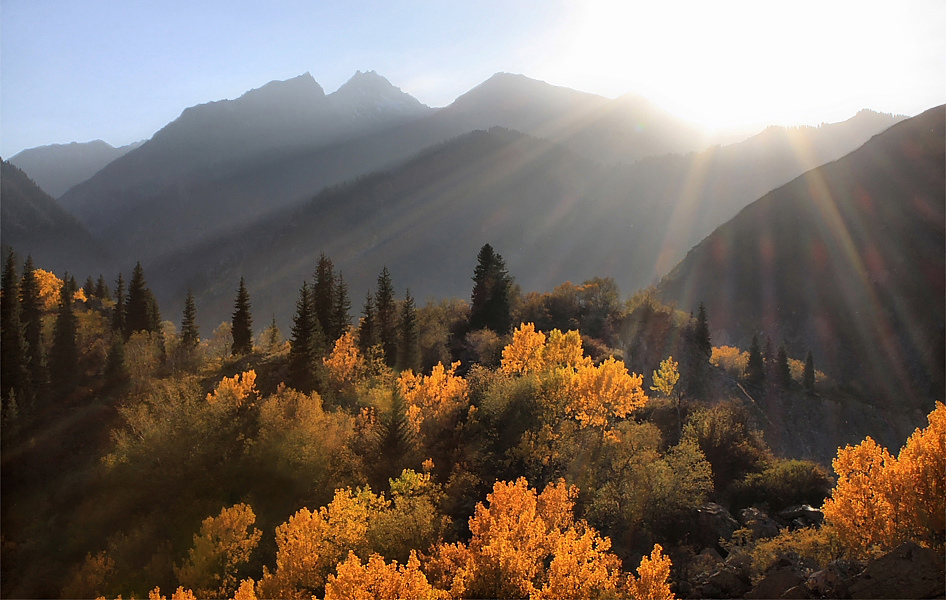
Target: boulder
column 714, row 523
column 725, row 583
column 834, row 581
column 761, row 524
column 908, row 571
column 787, row 573
column 802, row 515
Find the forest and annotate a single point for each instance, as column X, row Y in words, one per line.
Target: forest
column 563, row 444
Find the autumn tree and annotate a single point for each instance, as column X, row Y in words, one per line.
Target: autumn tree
column 386, row 317
column 190, row 334
column 490, row 306
column 408, row 355
column 64, row 355
column 242, row 322
column 378, row 579
column 306, row 345
column 653, row 573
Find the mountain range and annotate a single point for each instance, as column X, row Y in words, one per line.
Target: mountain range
column 58, row 167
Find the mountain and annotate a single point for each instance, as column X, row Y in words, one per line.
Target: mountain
column 846, row 260
column 58, row 167
column 32, row 222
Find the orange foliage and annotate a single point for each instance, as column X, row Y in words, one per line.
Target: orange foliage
column 235, row 391
column 379, row 580
column 525, row 354
column 605, row 392
column 652, row 574
column 436, row 397
column 50, row 288
column 345, row 364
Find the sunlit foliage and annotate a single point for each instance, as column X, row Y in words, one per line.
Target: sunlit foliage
column 379, row 580
column 49, row 287
column 345, row 364
column 433, row 398
column 652, row 575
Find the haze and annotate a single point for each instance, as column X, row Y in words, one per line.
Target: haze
column 119, row 71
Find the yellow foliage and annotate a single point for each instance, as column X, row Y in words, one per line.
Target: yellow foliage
column 246, row 591
column 345, row 364
column 182, row 594
column 652, row 574
column 91, row 578
column 583, row 567
column 605, row 392
column 881, row 501
column 667, row 377
column 224, row 544
column 235, row 391
column 525, row 354
column 732, row 360
column 435, row 397
column 379, row 580
column 563, row 350
column 79, row 296
column 50, row 288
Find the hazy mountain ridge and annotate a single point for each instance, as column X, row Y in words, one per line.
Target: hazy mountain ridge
column 33, row 223
column 847, row 260
column 58, row 167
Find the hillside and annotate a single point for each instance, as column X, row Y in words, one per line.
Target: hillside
column 58, row 167
column 846, row 260
column 32, row 222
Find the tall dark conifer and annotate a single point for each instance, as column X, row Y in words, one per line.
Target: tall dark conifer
column 395, row 441
column 64, row 355
column 118, row 313
column 242, row 323
column 89, row 288
column 31, row 314
column 808, row 377
column 190, row 333
column 323, row 295
column 408, row 354
column 386, row 317
column 141, row 309
column 366, row 329
column 101, row 289
column 341, row 308
column 490, row 305
column 701, row 335
column 306, row 345
column 783, row 373
column 13, row 356
column 755, row 365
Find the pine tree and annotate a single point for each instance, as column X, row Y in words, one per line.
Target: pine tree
column 141, row 309
column 395, row 441
column 118, row 314
column 755, row 365
column 190, row 334
column 408, row 353
column 306, row 345
column 64, row 355
column 341, row 308
column 242, row 322
column 386, row 313
column 783, row 373
column 490, row 306
column 89, row 288
column 366, row 329
column 808, row 376
column 323, row 295
column 31, row 315
column 13, row 357
column 101, row 289
column 701, row 335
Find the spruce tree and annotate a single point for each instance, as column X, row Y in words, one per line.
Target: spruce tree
column 89, row 288
column 490, row 306
column 755, row 365
column 341, row 308
column 366, row 329
column 808, row 377
column 242, row 323
column 101, row 289
column 323, row 295
column 701, row 335
column 31, row 315
column 395, row 441
column 782, row 371
column 190, row 333
column 64, row 355
column 13, row 356
column 408, row 354
column 386, row 317
column 141, row 309
column 118, row 313
column 306, row 345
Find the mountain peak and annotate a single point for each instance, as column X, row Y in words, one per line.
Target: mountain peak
column 368, row 95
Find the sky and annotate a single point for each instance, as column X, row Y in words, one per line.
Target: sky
column 119, row 70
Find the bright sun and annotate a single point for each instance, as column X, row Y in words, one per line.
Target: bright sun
column 735, row 62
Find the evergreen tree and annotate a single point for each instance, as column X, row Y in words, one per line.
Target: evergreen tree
column 64, row 355
column 190, row 334
column 272, row 337
column 31, row 315
column 701, row 335
column 408, row 353
column 242, row 323
column 755, row 365
column 490, row 306
column 101, row 289
column 395, row 441
column 89, row 288
column 768, row 358
column 13, row 357
column 118, row 314
column 141, row 309
column 323, row 295
column 306, row 345
column 115, row 362
column 386, row 317
column 783, row 373
column 341, row 308
column 808, row 376
column 366, row 329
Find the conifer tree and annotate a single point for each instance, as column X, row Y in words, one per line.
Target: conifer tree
column 306, row 345
column 89, row 288
column 366, row 329
column 118, row 314
column 31, row 315
column 782, row 371
column 13, row 374
column 141, row 309
column 242, row 323
column 755, row 366
column 408, row 353
column 395, row 441
column 808, row 376
column 101, row 289
column 490, row 306
column 190, row 333
column 115, row 362
column 272, row 336
column 341, row 308
column 701, row 335
column 386, row 317
column 64, row 355
column 323, row 295
column 768, row 358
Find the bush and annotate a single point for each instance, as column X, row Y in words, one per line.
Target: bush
column 784, row 483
